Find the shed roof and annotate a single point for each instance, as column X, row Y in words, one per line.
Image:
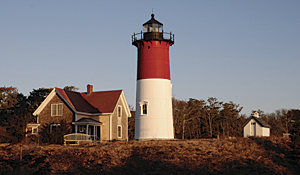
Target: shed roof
column 260, row 121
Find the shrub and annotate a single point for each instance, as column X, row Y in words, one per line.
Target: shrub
column 295, row 135
column 55, row 135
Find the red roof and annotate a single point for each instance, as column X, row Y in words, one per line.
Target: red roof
column 96, row 102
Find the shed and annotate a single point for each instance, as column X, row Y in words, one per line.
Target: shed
column 256, row 126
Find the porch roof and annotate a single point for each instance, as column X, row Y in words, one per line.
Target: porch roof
column 87, row 121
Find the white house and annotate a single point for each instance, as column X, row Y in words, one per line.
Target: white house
column 256, row 126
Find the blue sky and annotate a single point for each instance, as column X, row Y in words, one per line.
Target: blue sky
column 242, row 51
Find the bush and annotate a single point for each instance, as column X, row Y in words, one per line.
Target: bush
column 56, row 135
column 295, row 135
column 3, row 135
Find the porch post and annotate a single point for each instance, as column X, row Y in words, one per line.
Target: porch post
column 87, row 129
column 76, row 128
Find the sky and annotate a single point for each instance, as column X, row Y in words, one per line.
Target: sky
column 243, row 51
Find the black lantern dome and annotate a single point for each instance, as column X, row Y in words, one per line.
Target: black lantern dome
column 152, row 30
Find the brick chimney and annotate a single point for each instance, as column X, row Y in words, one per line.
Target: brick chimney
column 89, row 89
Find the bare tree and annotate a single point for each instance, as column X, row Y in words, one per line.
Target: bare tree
column 212, row 110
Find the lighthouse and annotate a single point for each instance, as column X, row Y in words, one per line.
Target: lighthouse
column 154, row 118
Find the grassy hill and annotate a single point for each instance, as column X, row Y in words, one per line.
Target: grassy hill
column 203, row 156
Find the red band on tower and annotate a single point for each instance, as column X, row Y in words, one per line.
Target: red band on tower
column 153, row 60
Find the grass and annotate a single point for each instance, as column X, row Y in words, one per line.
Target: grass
column 203, row 156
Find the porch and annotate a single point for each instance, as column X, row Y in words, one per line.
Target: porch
column 76, row 138
column 89, row 127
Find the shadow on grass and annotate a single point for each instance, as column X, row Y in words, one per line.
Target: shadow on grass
column 136, row 165
column 280, row 154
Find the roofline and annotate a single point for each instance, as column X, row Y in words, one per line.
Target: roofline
column 44, row 103
column 55, row 91
column 86, row 123
column 254, row 118
column 65, row 100
column 124, row 100
column 261, row 123
column 92, row 114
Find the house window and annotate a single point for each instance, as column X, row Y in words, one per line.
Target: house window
column 81, row 128
column 119, row 111
column 57, row 109
column 144, row 107
column 119, row 131
column 34, row 131
column 53, row 127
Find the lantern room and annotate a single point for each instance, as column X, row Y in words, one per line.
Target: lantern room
column 152, row 25
column 153, row 29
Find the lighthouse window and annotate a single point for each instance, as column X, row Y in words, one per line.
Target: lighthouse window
column 155, row 27
column 144, row 108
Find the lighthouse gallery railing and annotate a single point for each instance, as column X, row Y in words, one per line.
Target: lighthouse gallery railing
column 166, row 36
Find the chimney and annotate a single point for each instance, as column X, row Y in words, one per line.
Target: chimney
column 89, row 89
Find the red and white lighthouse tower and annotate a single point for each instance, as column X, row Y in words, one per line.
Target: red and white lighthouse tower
column 154, row 118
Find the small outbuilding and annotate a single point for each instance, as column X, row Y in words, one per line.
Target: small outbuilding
column 256, row 126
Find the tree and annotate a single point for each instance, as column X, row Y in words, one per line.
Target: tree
column 229, row 119
column 71, row 88
column 179, row 107
column 131, row 123
column 295, row 129
column 194, row 114
column 8, row 97
column 212, row 111
column 184, row 111
column 197, row 118
column 17, row 120
column 274, row 122
column 36, row 97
